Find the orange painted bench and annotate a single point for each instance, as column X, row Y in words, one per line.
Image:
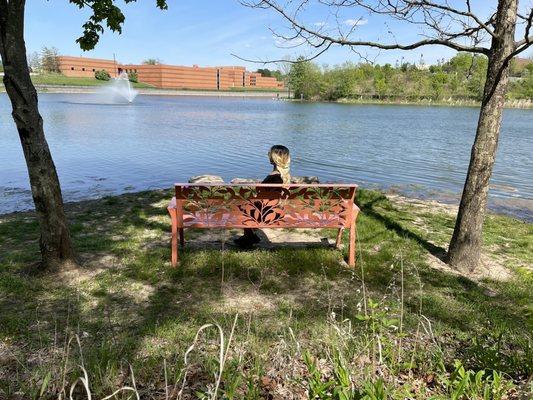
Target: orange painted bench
column 221, row 205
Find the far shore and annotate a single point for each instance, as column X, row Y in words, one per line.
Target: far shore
column 516, row 103
column 75, row 89
column 162, row 92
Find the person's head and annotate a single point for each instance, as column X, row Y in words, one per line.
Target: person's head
column 281, row 160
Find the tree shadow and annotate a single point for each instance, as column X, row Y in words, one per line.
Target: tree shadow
column 390, row 224
column 130, row 299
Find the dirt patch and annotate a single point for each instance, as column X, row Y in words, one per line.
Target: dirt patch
column 488, row 268
column 91, row 265
column 431, row 206
column 238, row 299
column 270, row 238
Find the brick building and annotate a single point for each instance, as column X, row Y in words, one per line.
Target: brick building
column 172, row 76
column 85, row 67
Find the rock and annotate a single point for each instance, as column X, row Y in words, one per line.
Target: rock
column 206, row 179
column 304, row 179
column 490, row 293
column 238, row 181
column 217, row 179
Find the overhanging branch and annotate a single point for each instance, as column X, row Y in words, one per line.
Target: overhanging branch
column 305, row 32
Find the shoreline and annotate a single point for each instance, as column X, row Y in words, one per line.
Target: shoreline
column 523, row 104
column 495, row 209
column 64, row 89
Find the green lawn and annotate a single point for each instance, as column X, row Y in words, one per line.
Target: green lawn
column 59, row 79
column 62, row 80
column 297, row 322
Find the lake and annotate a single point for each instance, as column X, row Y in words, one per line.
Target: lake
column 106, row 149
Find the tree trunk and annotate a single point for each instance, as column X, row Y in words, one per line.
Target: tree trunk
column 55, row 243
column 465, row 246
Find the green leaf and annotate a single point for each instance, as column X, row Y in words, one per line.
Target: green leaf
column 45, row 383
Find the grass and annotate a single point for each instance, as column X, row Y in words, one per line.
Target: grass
column 62, row 80
column 296, row 322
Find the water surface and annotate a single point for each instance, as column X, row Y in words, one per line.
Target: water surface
column 105, row 149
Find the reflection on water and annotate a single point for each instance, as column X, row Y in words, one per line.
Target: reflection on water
column 103, row 149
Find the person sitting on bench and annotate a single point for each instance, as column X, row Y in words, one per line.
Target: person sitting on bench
column 280, row 159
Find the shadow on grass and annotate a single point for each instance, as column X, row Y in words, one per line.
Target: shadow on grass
column 391, row 224
column 129, row 304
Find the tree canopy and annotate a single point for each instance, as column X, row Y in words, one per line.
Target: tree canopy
column 104, row 13
column 461, row 77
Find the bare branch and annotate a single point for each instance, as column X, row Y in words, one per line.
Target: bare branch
column 527, row 39
column 318, row 54
column 306, row 32
column 446, row 7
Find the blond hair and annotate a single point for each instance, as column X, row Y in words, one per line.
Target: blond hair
column 281, row 160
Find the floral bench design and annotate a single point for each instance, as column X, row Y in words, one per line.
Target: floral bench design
column 221, row 205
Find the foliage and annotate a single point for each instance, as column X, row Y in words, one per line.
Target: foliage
column 265, row 72
column 104, row 12
column 152, row 61
column 304, row 79
column 461, row 77
column 523, row 89
column 133, row 77
column 102, row 75
column 271, row 73
column 468, row 384
column 49, row 59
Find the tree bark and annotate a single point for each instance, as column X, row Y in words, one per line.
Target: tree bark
column 465, row 246
column 55, row 243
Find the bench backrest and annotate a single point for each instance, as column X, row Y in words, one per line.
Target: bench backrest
column 266, row 205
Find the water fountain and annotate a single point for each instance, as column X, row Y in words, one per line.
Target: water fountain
column 119, row 90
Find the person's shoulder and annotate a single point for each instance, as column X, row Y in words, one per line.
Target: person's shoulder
column 273, row 178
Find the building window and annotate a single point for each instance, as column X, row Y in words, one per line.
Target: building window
column 72, row 68
column 94, row 70
column 83, row 69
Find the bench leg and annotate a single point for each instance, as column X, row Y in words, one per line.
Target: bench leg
column 339, row 238
column 182, row 237
column 351, row 249
column 174, row 241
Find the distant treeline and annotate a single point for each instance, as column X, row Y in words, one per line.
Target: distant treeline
column 462, row 77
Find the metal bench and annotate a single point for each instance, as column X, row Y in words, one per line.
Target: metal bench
column 220, row 205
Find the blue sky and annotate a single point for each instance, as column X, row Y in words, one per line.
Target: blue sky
column 207, row 32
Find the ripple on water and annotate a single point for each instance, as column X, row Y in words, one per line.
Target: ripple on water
column 103, row 149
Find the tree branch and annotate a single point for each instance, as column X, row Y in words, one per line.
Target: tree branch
column 318, row 54
column 447, row 8
column 527, row 39
column 325, row 38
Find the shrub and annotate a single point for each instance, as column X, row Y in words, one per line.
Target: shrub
column 102, row 75
column 133, row 77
